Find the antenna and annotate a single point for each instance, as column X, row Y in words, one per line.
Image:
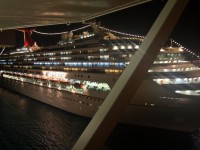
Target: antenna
column 171, row 42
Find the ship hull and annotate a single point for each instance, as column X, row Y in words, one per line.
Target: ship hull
column 141, row 111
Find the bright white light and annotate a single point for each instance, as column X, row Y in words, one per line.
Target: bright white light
column 115, row 48
column 180, row 49
column 136, row 46
column 165, row 70
column 122, row 47
column 178, row 79
column 54, row 74
column 188, row 92
column 162, row 50
column 129, row 47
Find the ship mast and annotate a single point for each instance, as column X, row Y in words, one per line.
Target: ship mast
column 171, row 42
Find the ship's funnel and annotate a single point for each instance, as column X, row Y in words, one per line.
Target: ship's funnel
column 28, row 42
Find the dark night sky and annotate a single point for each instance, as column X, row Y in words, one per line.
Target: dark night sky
column 138, row 20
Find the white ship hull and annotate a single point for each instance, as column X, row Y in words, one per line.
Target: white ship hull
column 144, row 110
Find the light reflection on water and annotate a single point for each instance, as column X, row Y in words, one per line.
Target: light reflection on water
column 28, row 124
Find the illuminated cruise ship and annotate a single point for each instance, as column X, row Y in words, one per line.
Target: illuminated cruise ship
column 78, row 73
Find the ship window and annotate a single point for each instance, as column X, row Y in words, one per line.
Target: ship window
column 79, row 64
column 90, row 64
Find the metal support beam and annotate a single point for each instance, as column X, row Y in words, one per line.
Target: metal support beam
column 115, row 103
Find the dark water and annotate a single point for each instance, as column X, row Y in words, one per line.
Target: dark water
column 143, row 138
column 31, row 125
column 28, row 124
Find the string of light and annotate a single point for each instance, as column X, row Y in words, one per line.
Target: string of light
column 57, row 33
column 138, row 36
column 122, row 33
column 44, row 33
column 80, row 28
column 178, row 44
column 186, row 49
column 143, row 37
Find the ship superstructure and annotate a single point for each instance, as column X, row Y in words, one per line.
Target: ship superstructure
column 77, row 74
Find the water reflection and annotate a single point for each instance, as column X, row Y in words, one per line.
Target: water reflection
column 29, row 124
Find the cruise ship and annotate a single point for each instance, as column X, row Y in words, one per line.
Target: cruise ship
column 77, row 74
